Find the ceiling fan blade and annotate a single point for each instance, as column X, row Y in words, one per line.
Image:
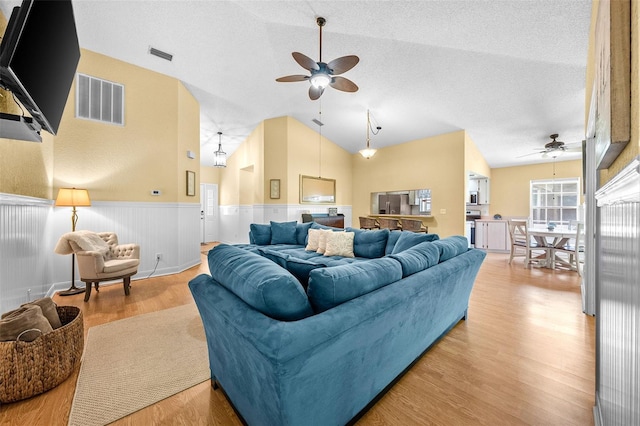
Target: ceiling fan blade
column 290, row 78
column 343, row 84
column 343, row 64
column 305, row 62
column 315, row 92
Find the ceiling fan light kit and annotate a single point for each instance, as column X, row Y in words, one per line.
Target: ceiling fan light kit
column 369, row 152
column 323, row 74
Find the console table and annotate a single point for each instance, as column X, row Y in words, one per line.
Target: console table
column 324, row 219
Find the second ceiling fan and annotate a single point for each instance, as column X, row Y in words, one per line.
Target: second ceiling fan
column 323, row 74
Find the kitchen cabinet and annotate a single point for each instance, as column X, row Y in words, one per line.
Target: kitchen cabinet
column 492, row 235
column 482, row 187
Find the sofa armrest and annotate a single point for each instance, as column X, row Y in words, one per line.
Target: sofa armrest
column 89, row 263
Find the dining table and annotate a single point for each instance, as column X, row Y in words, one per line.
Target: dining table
column 552, row 239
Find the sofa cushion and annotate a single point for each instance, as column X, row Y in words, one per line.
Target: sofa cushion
column 302, row 232
column 391, row 241
column 329, row 287
column 451, row 246
column 369, row 243
column 409, row 239
column 417, row 258
column 259, row 282
column 283, row 232
column 322, row 240
column 260, row 234
column 339, row 244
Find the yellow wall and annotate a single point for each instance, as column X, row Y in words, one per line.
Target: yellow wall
column 436, row 163
column 124, row 163
column 26, row 168
column 473, row 159
column 510, row 186
column 209, row 174
column 282, row 148
column 309, row 156
column 632, row 149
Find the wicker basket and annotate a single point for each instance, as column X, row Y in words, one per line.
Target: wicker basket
column 31, row 368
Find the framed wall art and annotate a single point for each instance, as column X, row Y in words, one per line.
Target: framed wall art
column 191, row 183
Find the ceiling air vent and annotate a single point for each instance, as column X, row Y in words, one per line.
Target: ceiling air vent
column 160, row 54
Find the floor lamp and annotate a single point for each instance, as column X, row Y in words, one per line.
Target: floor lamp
column 72, row 197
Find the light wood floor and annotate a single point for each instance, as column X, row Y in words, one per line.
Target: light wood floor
column 524, row 356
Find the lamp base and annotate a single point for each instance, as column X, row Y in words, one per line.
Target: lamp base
column 71, row 291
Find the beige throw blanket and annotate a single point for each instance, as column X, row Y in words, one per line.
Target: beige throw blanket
column 81, row 241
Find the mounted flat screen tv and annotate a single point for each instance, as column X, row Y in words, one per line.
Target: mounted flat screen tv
column 39, row 55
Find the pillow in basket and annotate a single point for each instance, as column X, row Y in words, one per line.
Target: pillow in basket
column 49, row 311
column 26, row 318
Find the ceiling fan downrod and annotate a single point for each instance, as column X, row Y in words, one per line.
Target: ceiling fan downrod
column 321, row 21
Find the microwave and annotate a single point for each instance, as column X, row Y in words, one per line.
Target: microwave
column 473, row 198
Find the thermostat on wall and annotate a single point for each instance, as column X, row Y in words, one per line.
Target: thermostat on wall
column 155, row 192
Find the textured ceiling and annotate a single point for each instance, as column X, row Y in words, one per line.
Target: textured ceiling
column 509, row 72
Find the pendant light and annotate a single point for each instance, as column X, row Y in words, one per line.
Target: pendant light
column 369, row 152
column 219, row 156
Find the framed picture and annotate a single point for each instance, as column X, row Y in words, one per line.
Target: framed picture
column 274, row 189
column 191, row 183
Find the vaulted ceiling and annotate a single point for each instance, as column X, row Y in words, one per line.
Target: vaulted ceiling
column 509, row 72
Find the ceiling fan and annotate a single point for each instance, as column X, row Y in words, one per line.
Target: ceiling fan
column 555, row 148
column 323, row 74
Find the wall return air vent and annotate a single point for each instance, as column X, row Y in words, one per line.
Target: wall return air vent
column 99, row 100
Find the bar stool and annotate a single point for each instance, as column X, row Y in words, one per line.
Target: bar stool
column 413, row 225
column 391, row 224
column 367, row 223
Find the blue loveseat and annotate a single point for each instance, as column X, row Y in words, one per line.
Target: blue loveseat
column 286, row 356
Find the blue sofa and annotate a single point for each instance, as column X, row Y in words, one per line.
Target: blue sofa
column 286, row 356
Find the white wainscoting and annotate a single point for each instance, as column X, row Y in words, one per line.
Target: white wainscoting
column 235, row 220
column 30, row 228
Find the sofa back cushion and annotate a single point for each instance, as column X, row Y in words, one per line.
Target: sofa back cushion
column 329, row 287
column 259, row 282
column 417, row 258
column 260, row 234
column 451, row 246
column 302, row 233
column 284, row 232
column 409, row 239
column 369, row 243
column 391, row 241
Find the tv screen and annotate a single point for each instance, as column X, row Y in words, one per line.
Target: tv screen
column 39, row 55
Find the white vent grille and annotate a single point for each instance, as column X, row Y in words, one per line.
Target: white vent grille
column 99, row 100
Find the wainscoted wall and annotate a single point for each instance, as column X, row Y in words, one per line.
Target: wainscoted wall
column 235, row 220
column 618, row 300
column 30, row 228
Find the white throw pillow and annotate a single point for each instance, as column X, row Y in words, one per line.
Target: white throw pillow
column 340, row 244
column 314, row 239
column 322, row 241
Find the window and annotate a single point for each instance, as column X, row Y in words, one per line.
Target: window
column 554, row 201
column 99, row 100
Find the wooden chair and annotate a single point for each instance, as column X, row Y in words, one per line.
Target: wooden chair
column 391, row 224
column 523, row 245
column 574, row 250
column 413, row 225
column 367, row 223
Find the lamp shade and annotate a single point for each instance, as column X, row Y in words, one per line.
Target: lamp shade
column 72, row 197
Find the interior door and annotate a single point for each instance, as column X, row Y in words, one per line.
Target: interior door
column 209, row 212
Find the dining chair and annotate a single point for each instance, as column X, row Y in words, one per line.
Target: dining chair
column 523, row 245
column 391, row 224
column 367, row 223
column 413, row 225
column 574, row 250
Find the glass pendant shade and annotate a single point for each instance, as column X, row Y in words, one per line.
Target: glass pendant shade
column 320, row 80
column 367, row 152
column 219, row 156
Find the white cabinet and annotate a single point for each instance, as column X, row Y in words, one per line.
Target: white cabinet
column 484, row 190
column 492, row 235
column 482, row 187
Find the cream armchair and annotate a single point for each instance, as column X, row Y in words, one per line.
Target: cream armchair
column 101, row 258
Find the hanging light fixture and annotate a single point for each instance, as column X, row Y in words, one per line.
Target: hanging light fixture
column 219, row 156
column 369, row 152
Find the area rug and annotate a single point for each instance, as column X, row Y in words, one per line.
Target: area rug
column 135, row 362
